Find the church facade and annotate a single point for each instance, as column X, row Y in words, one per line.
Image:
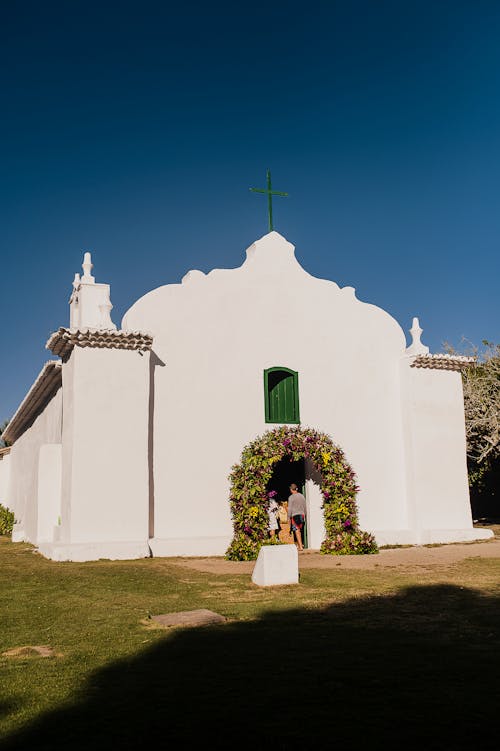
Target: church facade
column 123, row 446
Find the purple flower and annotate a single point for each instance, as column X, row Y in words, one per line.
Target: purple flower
column 287, row 442
column 272, row 493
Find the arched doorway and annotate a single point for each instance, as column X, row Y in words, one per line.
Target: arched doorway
column 286, row 472
column 249, row 487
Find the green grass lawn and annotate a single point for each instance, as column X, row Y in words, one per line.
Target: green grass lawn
column 345, row 659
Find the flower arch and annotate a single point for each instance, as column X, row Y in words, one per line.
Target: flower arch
column 249, row 499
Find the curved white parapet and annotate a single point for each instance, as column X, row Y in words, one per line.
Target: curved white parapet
column 269, row 273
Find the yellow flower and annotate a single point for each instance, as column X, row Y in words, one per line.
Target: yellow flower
column 253, row 511
column 326, row 457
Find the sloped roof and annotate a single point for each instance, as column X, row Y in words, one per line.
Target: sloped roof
column 47, row 383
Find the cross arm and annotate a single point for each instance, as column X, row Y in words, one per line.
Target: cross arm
column 271, row 192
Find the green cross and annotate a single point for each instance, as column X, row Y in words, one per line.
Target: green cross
column 270, row 193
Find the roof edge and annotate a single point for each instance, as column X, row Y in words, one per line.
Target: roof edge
column 62, row 341
column 41, row 392
column 441, row 361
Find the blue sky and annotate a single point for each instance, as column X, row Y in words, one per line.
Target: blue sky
column 134, row 130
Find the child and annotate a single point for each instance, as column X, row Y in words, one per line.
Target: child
column 272, row 512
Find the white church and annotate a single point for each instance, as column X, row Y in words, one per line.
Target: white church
column 123, row 445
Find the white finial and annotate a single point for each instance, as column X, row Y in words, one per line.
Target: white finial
column 416, row 347
column 87, row 265
column 76, row 281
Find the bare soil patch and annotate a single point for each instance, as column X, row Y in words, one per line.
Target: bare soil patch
column 418, row 556
column 188, row 619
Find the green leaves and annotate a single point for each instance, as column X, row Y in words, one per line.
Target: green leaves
column 6, row 521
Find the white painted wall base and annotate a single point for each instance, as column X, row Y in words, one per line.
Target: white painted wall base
column 116, row 551
column 430, row 536
column 395, row 536
column 217, row 546
column 189, row 546
column 18, row 533
column 276, row 565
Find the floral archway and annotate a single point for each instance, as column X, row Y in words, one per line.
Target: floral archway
column 249, row 499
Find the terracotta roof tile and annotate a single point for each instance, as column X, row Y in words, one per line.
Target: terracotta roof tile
column 443, row 362
column 63, row 340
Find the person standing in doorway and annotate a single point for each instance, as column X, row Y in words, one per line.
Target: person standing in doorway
column 272, row 512
column 297, row 514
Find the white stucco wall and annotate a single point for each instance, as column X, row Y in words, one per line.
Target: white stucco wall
column 4, row 479
column 437, row 447
column 105, row 480
column 23, row 486
column 215, row 335
column 49, row 492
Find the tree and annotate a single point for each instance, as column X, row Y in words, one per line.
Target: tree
column 481, row 385
column 482, row 405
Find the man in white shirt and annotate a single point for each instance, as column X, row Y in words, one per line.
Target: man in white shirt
column 297, row 513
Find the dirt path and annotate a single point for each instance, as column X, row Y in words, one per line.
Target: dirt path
column 444, row 555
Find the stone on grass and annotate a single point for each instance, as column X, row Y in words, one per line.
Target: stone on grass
column 31, row 651
column 200, row 617
column 276, row 564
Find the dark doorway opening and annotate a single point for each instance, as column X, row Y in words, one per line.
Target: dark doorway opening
column 284, row 474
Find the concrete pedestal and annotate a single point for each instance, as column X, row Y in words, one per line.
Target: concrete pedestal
column 276, row 564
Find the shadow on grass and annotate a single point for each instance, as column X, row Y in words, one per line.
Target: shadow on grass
column 416, row 667
column 6, row 707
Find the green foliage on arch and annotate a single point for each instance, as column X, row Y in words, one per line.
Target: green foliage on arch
column 249, row 500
